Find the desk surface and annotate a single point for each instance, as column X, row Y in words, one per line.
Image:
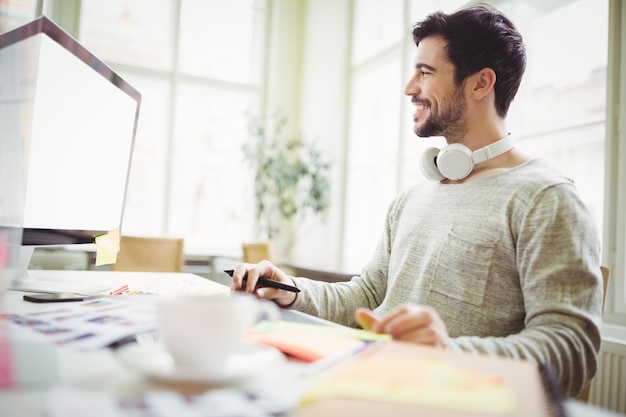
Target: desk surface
column 97, row 379
column 159, row 283
column 100, row 370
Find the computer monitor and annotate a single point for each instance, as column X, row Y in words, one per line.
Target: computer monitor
column 75, row 121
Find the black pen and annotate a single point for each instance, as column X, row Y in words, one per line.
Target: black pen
column 266, row 282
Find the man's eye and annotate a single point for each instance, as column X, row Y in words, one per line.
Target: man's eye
column 424, row 73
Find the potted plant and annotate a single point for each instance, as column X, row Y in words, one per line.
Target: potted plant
column 290, row 177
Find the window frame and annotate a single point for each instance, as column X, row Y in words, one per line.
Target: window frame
column 69, row 12
column 614, row 242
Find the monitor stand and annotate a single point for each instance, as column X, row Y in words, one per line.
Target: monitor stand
column 16, row 269
column 25, row 360
column 23, row 281
column 26, row 253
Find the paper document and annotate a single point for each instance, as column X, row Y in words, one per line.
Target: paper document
column 85, row 325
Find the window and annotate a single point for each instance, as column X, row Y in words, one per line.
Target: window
column 559, row 113
column 372, row 155
column 383, row 151
column 198, row 65
column 14, row 13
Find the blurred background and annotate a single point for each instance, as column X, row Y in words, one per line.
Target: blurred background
column 336, row 70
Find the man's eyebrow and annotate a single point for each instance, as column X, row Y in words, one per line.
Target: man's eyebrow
column 421, row 65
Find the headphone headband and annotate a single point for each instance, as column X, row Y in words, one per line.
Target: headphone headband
column 492, row 150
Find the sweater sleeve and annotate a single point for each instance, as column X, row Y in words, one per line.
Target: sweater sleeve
column 337, row 302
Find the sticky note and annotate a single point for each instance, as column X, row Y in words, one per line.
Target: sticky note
column 107, row 247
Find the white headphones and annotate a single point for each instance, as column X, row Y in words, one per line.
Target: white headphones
column 456, row 161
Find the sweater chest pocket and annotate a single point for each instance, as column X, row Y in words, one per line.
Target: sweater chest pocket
column 462, row 269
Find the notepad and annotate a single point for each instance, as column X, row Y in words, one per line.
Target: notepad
column 406, row 379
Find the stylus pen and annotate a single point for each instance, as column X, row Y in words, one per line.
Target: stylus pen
column 266, row 282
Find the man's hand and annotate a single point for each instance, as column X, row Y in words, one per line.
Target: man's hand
column 263, row 269
column 409, row 322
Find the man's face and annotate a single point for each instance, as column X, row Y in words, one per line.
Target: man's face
column 440, row 106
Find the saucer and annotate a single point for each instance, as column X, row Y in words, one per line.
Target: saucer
column 153, row 360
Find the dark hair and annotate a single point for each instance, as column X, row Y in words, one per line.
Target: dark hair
column 480, row 37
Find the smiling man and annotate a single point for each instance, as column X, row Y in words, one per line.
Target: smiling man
column 497, row 255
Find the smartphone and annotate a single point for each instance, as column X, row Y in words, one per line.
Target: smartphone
column 54, row 298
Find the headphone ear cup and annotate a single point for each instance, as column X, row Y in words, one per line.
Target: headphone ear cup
column 428, row 165
column 455, row 161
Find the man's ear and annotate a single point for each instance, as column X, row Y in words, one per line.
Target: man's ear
column 482, row 83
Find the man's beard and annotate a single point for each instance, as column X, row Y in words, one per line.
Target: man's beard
column 448, row 121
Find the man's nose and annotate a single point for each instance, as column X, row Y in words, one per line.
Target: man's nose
column 412, row 87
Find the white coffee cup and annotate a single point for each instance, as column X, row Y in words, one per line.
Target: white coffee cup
column 201, row 332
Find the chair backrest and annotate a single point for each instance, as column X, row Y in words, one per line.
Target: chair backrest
column 256, row 252
column 584, row 394
column 150, row 254
column 605, row 279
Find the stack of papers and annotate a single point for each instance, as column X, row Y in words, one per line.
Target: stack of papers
column 406, row 379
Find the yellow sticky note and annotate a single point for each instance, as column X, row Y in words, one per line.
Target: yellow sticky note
column 107, row 247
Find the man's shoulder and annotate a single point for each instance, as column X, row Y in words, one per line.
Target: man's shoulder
column 540, row 169
column 535, row 174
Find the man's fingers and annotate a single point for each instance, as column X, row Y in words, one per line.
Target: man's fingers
column 365, row 318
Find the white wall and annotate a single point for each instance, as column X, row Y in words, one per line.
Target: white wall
column 283, row 81
column 317, row 105
column 323, row 115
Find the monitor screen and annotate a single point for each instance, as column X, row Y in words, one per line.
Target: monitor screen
column 75, row 121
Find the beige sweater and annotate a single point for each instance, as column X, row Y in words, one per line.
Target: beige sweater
column 511, row 262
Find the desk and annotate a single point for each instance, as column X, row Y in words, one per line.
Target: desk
column 160, row 283
column 100, row 372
